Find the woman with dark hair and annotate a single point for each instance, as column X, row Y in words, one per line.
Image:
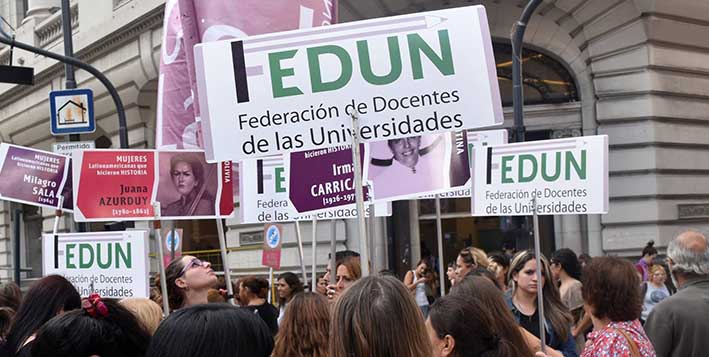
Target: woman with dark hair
column 188, row 281
column 499, row 265
column 252, row 294
column 214, row 330
column 305, row 328
column 481, row 292
column 48, row 297
column 415, row 280
column 584, row 259
column 347, row 273
column 483, row 273
column 522, row 301
column 450, row 273
column 566, row 270
column 100, row 328
column 643, row 265
column 465, row 263
column 614, row 305
column 287, row 286
column 377, row 316
column 458, row 327
column 187, row 174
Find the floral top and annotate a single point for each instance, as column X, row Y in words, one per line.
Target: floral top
column 609, row 342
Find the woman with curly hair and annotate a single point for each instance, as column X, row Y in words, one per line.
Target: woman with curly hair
column 305, row 327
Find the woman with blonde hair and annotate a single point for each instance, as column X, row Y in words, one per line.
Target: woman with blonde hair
column 305, row 327
column 377, row 316
column 148, row 312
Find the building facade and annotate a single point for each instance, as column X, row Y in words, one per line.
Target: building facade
column 636, row 70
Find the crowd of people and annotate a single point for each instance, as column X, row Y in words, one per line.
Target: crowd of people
column 601, row 306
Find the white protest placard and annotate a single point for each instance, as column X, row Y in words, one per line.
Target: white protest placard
column 475, row 139
column 408, row 75
column 264, row 195
column 112, row 264
column 565, row 176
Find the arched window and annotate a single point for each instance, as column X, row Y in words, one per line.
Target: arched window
column 546, row 81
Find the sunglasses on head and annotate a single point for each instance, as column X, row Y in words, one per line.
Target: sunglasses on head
column 194, row 262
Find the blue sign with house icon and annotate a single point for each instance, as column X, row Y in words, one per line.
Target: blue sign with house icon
column 72, row 111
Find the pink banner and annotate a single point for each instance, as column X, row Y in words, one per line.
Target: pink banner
column 188, row 22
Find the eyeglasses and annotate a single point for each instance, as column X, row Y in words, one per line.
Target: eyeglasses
column 193, row 263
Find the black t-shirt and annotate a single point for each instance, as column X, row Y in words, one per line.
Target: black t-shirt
column 268, row 313
column 531, row 324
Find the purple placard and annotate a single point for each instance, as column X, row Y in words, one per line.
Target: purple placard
column 323, row 178
column 34, row 177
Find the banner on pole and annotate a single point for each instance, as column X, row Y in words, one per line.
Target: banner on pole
column 126, row 185
column 475, row 139
column 295, row 91
column 565, row 176
column 322, row 179
column 265, row 195
column 112, row 264
column 272, row 240
column 34, row 177
column 407, row 168
column 189, row 22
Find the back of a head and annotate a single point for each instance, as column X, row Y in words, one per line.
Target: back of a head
column 499, row 258
column 480, row 257
column 484, row 273
column 344, row 254
column 649, row 248
column 44, row 300
column 689, row 253
column 81, row 333
column 471, row 326
column 568, row 261
column 377, row 316
column 305, row 328
column 215, row 330
column 481, row 291
column 608, row 289
column 255, row 285
column 10, row 296
column 148, row 312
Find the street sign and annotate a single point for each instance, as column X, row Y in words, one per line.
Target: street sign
column 72, row 111
column 408, row 75
column 112, row 264
column 272, row 240
column 67, row 148
column 171, row 243
column 564, row 176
